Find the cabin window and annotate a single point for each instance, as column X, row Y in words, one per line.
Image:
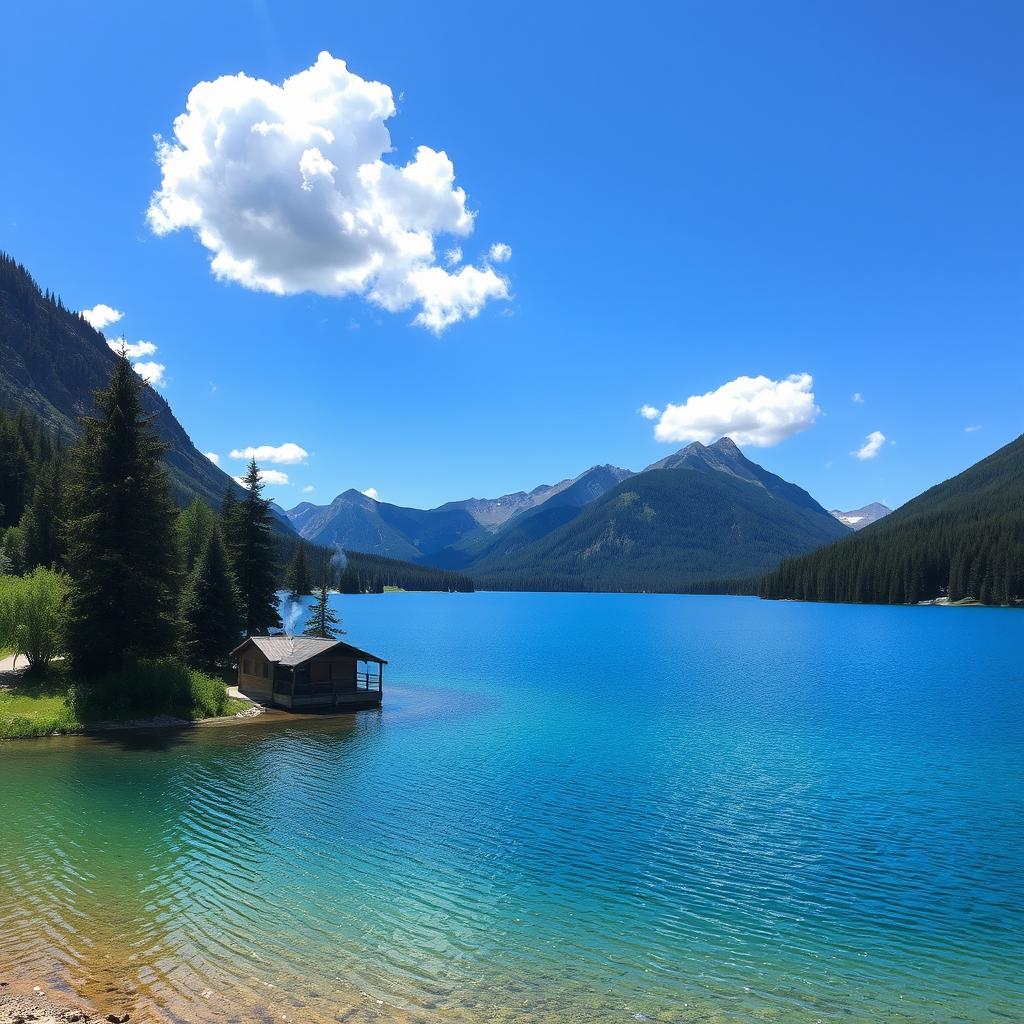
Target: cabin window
column 266, row 670
column 246, row 666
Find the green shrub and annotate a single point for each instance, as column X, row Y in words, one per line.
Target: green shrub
column 150, row 687
column 209, row 695
column 32, row 615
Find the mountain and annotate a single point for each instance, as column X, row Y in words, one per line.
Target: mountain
column 450, row 536
column 962, row 539
column 704, row 513
column 358, row 523
column 51, row 361
column 861, row 517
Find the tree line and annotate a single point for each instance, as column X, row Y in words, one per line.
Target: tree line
column 961, row 540
column 94, row 523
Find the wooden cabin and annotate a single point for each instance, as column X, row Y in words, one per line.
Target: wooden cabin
column 307, row 673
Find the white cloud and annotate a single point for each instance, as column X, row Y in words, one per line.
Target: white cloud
column 371, row 492
column 151, row 372
column 101, row 315
column 871, row 447
column 213, row 457
column 649, row 412
column 858, row 398
column 500, row 252
column 132, row 351
column 287, row 186
column 453, row 255
column 973, row 429
column 268, row 476
column 287, row 454
column 751, row 410
column 308, row 489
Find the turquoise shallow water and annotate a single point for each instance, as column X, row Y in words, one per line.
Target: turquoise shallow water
column 572, row 808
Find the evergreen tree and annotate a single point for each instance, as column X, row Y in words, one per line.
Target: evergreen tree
column 40, row 524
column 322, row 621
column 253, row 557
column 296, row 580
column 121, row 551
column 210, row 617
column 194, row 527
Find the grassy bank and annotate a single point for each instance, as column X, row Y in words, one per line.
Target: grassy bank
column 32, row 706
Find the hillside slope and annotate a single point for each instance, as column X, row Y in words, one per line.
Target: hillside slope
column 670, row 528
column 963, row 538
column 51, row 361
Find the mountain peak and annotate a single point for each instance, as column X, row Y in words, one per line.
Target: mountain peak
column 726, row 444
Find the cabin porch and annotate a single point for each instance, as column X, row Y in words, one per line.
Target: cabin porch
column 299, row 688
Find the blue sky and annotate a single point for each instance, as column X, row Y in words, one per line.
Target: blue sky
column 692, row 193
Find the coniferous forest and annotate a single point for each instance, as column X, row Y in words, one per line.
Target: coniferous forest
column 961, row 540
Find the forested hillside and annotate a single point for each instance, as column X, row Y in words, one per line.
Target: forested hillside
column 961, row 539
column 666, row 530
column 51, row 362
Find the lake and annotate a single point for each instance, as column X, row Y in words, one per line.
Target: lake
column 573, row 807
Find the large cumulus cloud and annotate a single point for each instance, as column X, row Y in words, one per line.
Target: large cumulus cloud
column 287, row 186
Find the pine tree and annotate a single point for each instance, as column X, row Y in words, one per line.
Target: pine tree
column 211, row 622
column 297, row 581
column 322, row 621
column 194, row 527
column 121, row 551
column 253, row 558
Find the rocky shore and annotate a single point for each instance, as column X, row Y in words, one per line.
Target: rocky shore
column 38, row 1007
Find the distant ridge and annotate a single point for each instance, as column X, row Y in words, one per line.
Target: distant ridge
column 861, row 517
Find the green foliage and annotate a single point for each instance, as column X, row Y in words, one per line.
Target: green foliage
column 31, row 467
column 297, row 579
column 150, row 687
column 370, row 574
column 323, row 621
column 962, row 539
column 193, row 528
column 122, row 551
column 667, row 530
column 33, row 615
column 247, row 531
column 210, row 614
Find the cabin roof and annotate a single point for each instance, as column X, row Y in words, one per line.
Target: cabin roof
column 290, row 651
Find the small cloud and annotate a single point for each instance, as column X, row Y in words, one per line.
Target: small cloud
column 132, row 351
column 751, row 410
column 101, row 315
column 371, row 492
column 268, row 476
column 828, row 463
column 453, row 255
column 308, row 489
column 287, row 454
column 213, row 388
column 213, row 457
column 972, row 430
column 151, row 373
column 871, row 447
column 499, row 253
column 858, row 398
column 649, row 412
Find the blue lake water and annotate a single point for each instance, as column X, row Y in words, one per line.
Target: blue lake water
column 571, row 808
